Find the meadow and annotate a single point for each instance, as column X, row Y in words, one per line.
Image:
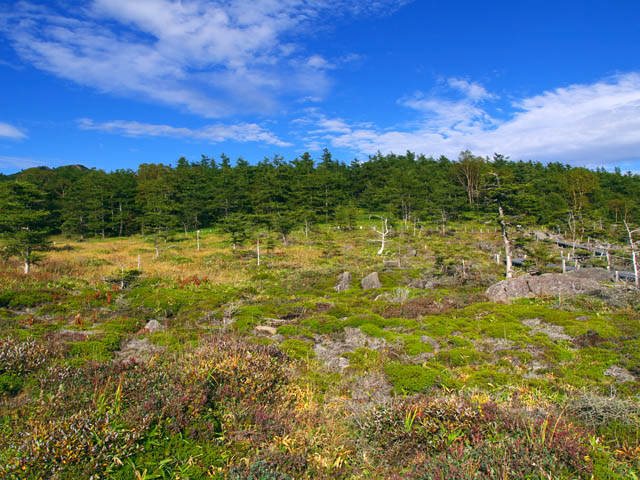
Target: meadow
column 120, row 362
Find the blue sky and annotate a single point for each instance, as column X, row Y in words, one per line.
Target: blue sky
column 115, row 83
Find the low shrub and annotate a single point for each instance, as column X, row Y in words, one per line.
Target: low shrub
column 298, row 349
column 415, row 378
column 21, row 357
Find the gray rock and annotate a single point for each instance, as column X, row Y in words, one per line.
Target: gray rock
column 136, row 349
column 597, row 274
column 421, row 283
column 371, row 281
column 554, row 332
column 549, row 284
column 344, row 282
column 153, row 326
column 331, row 351
column 541, row 235
column 620, row 374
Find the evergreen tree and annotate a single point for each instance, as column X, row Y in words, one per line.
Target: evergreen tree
column 24, row 222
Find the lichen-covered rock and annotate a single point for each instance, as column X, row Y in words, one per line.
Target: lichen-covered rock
column 371, row 281
column 620, row 374
column 153, row 326
column 344, row 282
column 549, row 284
column 597, row 274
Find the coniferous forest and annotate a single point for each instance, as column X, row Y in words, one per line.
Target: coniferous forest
column 403, row 317
column 282, row 195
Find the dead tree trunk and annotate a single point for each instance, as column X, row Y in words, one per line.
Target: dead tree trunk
column 634, row 258
column 383, row 233
column 258, row 249
column 507, row 242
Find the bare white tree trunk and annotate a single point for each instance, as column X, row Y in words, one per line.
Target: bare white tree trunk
column 634, row 257
column 258, row 248
column 198, row 239
column 507, row 242
column 383, row 233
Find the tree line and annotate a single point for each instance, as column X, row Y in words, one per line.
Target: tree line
column 283, row 195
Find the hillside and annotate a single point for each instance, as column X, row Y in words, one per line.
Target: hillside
column 123, row 361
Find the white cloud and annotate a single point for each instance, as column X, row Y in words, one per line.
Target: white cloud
column 243, row 132
column 212, row 58
column 588, row 124
column 9, row 131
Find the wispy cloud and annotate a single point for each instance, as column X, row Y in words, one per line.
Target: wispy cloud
column 243, row 132
column 588, row 124
column 9, row 131
column 212, row 58
column 17, row 163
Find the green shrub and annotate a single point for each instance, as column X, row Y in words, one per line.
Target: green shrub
column 298, row 349
column 459, row 341
column 415, row 378
column 323, row 324
column 459, row 357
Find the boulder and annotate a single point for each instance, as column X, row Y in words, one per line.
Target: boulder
column 344, row 282
column 619, row 374
column 547, row 285
column 371, row 281
column 541, row 235
column 597, row 274
column 153, row 326
column 421, row 283
column 137, row 350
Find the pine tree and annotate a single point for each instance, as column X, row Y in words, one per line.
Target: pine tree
column 24, row 222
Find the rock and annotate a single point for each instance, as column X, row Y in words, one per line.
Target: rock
column 411, row 252
column 344, row 282
column 371, row 281
column 549, row 284
column 554, row 332
column 589, row 339
column 137, row 349
column 153, row 326
column 421, row 283
column 582, row 318
column 620, row 374
column 541, row 235
column 264, row 329
column 597, row 274
column 370, row 389
column 331, row 351
column 493, row 345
